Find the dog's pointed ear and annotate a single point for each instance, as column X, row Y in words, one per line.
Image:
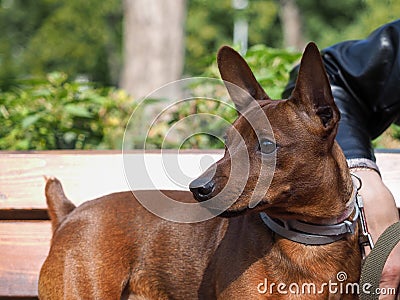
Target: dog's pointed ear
column 313, row 91
column 239, row 79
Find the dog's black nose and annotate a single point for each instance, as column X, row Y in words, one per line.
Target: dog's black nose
column 202, row 188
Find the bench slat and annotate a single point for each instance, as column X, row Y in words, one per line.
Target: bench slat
column 90, row 174
column 23, row 249
column 389, row 165
column 84, row 175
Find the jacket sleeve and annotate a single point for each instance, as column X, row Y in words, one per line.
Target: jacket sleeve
column 365, row 81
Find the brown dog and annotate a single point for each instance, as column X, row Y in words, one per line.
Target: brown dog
column 112, row 246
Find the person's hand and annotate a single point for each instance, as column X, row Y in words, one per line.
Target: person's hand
column 381, row 212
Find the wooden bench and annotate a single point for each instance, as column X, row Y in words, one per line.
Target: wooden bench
column 24, row 226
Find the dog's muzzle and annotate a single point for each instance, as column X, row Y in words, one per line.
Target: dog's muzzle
column 202, row 188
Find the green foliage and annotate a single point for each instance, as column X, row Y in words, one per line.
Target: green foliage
column 197, row 124
column 396, row 131
column 271, row 68
column 209, row 25
column 375, row 14
column 328, row 21
column 85, row 37
column 325, row 21
column 73, row 36
column 59, row 114
column 388, row 139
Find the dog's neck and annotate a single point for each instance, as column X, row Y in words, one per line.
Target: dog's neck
column 324, row 232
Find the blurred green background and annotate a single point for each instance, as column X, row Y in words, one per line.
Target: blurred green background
column 60, row 62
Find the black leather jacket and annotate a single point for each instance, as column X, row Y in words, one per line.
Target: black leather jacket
column 365, row 80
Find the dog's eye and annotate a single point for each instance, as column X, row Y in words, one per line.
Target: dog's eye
column 225, row 138
column 267, row 146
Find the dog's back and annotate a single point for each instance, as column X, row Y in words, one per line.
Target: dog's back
column 114, row 242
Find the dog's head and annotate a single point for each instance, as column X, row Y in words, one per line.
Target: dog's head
column 280, row 155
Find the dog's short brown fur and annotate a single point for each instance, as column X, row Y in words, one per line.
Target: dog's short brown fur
column 112, row 246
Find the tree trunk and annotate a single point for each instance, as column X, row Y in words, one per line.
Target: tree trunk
column 153, row 45
column 291, row 24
